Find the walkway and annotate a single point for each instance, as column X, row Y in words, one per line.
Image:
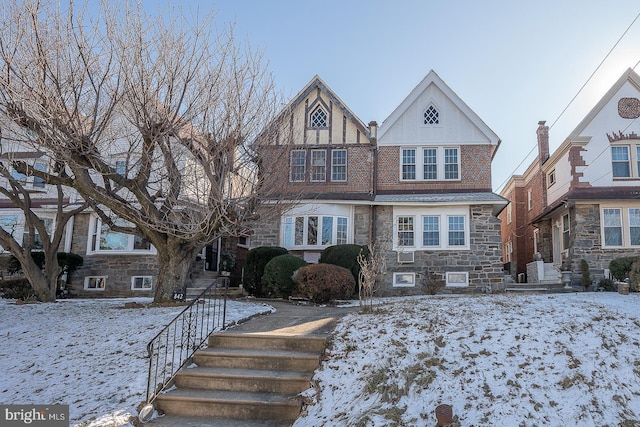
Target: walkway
column 291, row 318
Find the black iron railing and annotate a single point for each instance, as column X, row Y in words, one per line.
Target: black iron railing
column 176, row 344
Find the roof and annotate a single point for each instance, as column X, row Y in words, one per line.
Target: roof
column 432, row 78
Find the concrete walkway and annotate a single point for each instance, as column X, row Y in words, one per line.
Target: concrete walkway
column 292, row 319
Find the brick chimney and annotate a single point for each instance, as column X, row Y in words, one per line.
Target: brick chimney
column 543, row 141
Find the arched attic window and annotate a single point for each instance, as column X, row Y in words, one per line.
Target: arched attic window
column 319, row 118
column 431, row 116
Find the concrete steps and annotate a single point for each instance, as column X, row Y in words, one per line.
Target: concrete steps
column 543, row 286
column 250, row 378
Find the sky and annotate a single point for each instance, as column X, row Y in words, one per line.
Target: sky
column 514, row 63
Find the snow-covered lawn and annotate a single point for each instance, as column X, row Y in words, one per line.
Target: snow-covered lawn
column 86, row 353
column 500, row 360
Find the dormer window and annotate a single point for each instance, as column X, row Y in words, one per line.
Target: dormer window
column 431, row 116
column 319, row 118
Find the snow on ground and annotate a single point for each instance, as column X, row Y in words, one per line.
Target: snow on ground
column 499, row 360
column 86, row 353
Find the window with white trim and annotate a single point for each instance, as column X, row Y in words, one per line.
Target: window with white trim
column 95, row 283
column 297, row 165
column 141, row 283
column 442, row 228
column 530, row 199
column 37, row 244
column 457, row 279
column 565, row 231
column 105, row 240
column 509, row 213
column 621, row 226
column 318, row 165
column 37, row 181
column 314, row 231
column 551, row 178
column 508, row 251
column 404, row 280
column 319, row 118
column 430, row 164
column 431, row 116
column 339, row 165
column 620, row 162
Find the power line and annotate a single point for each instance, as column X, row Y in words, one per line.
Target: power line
column 573, row 99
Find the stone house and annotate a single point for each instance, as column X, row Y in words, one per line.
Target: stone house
column 419, row 184
column 581, row 201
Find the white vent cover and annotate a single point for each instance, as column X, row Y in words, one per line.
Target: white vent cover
column 405, row 257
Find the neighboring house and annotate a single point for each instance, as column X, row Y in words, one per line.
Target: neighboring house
column 581, row 202
column 420, row 185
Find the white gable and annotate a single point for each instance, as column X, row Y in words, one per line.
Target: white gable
column 456, row 122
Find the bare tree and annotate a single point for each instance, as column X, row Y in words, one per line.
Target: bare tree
column 175, row 102
column 42, row 214
column 372, row 266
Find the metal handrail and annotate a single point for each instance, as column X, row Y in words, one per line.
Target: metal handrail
column 174, row 346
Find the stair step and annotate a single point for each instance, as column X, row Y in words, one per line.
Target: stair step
column 257, row 359
column 268, row 342
column 230, row 404
column 243, row 380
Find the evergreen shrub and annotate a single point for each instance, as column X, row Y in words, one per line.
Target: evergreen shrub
column 322, row 283
column 257, row 259
column 277, row 279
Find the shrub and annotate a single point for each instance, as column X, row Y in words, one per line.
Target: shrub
column 278, row 275
column 432, row 283
column 18, row 288
column 634, row 277
column 67, row 260
column 322, row 283
column 586, row 274
column 607, row 285
column 620, row 267
column 345, row 256
column 257, row 259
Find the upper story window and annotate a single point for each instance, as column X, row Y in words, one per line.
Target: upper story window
column 529, row 199
column 297, row 165
column 103, row 239
column 438, row 163
column 121, row 167
column 339, row 165
column 318, row 165
column 551, row 178
column 14, row 224
column 431, row 116
column 319, row 118
column 509, row 213
column 318, row 159
column 620, row 163
column 33, row 181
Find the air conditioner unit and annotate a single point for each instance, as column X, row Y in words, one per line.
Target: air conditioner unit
column 405, row 257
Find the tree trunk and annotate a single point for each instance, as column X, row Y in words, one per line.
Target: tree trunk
column 44, row 283
column 175, row 261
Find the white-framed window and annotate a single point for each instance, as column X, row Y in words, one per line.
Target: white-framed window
column 508, row 251
column 104, row 240
column 339, row 165
column 314, row 231
column 37, row 181
column 509, row 213
column 442, row 228
column 404, row 280
column 244, row 241
column 433, row 164
column 319, row 118
column 620, row 226
column 121, row 167
column 620, row 161
column 95, row 283
column 457, row 279
column 37, row 241
column 530, row 199
column 431, row 116
column 318, row 165
column 141, row 283
column 297, row 166
column 551, row 178
column 14, row 224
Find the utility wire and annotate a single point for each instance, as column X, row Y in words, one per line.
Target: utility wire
column 574, row 98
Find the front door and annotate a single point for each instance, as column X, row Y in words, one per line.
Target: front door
column 211, row 257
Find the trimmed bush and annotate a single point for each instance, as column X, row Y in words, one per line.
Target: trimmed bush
column 345, row 256
column 322, row 283
column 634, row 277
column 278, row 275
column 620, row 267
column 607, row 285
column 67, row 260
column 257, row 259
column 18, row 288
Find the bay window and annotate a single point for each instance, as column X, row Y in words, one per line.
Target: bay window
column 103, row 239
column 314, row 231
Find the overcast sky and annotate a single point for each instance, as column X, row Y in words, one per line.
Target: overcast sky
column 513, row 62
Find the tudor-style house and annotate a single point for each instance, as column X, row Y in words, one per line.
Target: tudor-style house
column 419, row 184
column 581, row 201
